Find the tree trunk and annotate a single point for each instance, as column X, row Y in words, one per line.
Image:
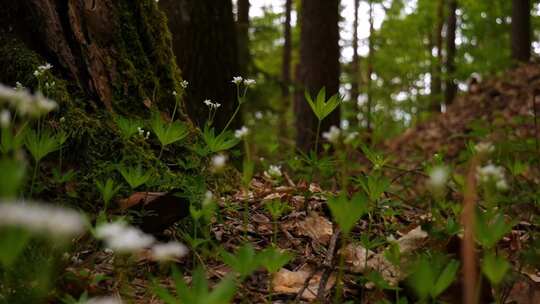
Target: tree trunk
column 242, row 24
column 204, row 42
column 116, row 52
column 371, row 55
column 355, row 68
column 521, row 30
column 319, row 65
column 436, row 89
column 286, row 68
column 451, row 87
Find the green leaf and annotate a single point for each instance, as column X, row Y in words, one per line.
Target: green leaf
column 244, row 262
column 128, row 127
column 13, row 240
column 134, row 176
column 168, row 133
column 321, row 107
column 274, row 259
column 495, row 268
column 347, row 212
column 12, row 177
column 446, row 278
column 490, row 228
column 221, row 142
column 40, row 145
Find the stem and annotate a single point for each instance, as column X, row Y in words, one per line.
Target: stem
column 161, row 151
column 230, row 120
column 339, row 284
column 33, row 178
column 317, row 136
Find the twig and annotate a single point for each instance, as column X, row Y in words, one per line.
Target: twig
column 468, row 250
column 328, row 261
column 306, row 284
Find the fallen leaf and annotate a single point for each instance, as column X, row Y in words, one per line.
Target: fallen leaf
column 316, row 227
column 290, row 282
column 414, row 239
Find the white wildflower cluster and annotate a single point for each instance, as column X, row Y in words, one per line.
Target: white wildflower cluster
column 122, row 238
column 5, row 118
column 42, row 69
column 241, row 133
column 273, row 172
column 351, row 137
column 208, row 198
column 258, row 115
column 42, row 218
column 218, row 162
column 491, row 173
column 143, row 133
column 247, row 82
column 438, row 176
column 333, row 135
column 104, row 300
column 211, row 105
column 50, row 85
column 344, row 124
column 184, row 84
column 19, row 86
column 169, row 251
column 484, row 148
column 25, row 103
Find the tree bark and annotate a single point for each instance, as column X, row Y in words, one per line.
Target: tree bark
column 319, row 65
column 451, row 87
column 242, row 24
column 521, row 30
column 436, row 89
column 116, row 52
column 355, row 65
column 205, row 46
column 286, row 69
column 371, row 55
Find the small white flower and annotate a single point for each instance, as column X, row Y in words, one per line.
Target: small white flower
column 147, row 136
column 258, row 115
column 237, row 80
column 484, row 148
column 18, row 86
column 208, row 103
column 249, row 82
column 5, row 118
column 273, row 172
column 217, row 105
column 241, row 133
column 208, row 198
column 62, row 119
column 141, row 131
column 174, row 93
column 169, row 251
column 105, row 300
column 184, row 84
column 351, row 137
column 218, row 162
column 344, row 124
column 332, row 135
column 44, row 104
column 42, row 218
column 491, row 173
column 123, row 238
column 438, row 176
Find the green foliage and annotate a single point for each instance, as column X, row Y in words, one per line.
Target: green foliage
column 12, row 139
column 431, row 276
column 128, row 127
column 12, row 177
column 244, row 261
column 346, row 212
column 490, row 228
column 495, row 268
column 224, row 141
column 134, row 176
column 199, row 292
column 108, row 190
column 274, row 259
column 40, row 144
column 276, row 208
column 168, row 133
column 322, row 107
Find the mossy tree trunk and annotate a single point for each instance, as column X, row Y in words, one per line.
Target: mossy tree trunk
column 205, row 45
column 117, row 53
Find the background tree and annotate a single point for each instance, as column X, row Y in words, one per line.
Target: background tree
column 205, row 46
column 242, row 23
column 451, row 26
column 436, row 76
column 521, row 30
column 355, row 69
column 286, row 67
column 319, row 65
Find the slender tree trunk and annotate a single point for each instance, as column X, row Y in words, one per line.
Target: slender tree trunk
column 319, row 65
column 370, row 69
column 286, row 68
column 451, row 87
column 436, row 92
column 242, row 24
column 521, row 30
column 117, row 53
column 355, row 65
column 205, row 46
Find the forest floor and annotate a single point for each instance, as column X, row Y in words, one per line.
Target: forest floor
column 307, row 230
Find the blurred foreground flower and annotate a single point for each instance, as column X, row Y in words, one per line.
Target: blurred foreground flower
column 169, row 251
column 25, row 103
column 491, row 173
column 438, row 176
column 123, row 238
column 218, row 162
column 332, row 135
column 241, row 133
column 273, row 172
column 105, row 300
column 42, row 218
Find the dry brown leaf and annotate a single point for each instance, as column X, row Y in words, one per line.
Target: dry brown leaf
column 316, row 227
column 291, row 282
column 412, row 240
column 138, row 198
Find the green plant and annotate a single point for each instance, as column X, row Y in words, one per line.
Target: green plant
column 495, row 268
column 134, row 176
column 128, row 127
column 199, row 292
column 168, row 133
column 108, row 190
column 432, row 275
column 12, row 177
column 490, row 228
column 273, row 259
column 322, row 108
column 276, row 208
column 346, row 212
column 244, row 261
column 11, row 138
column 40, row 144
column 223, row 141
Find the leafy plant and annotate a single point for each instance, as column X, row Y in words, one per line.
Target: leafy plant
column 346, row 212
column 273, row 259
column 490, row 228
column 168, row 133
column 495, row 268
column 128, row 127
column 12, row 177
column 12, row 139
column 322, row 108
column 431, row 276
column 199, row 292
column 108, row 190
column 40, row 144
column 223, row 141
column 244, row 261
column 134, row 176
